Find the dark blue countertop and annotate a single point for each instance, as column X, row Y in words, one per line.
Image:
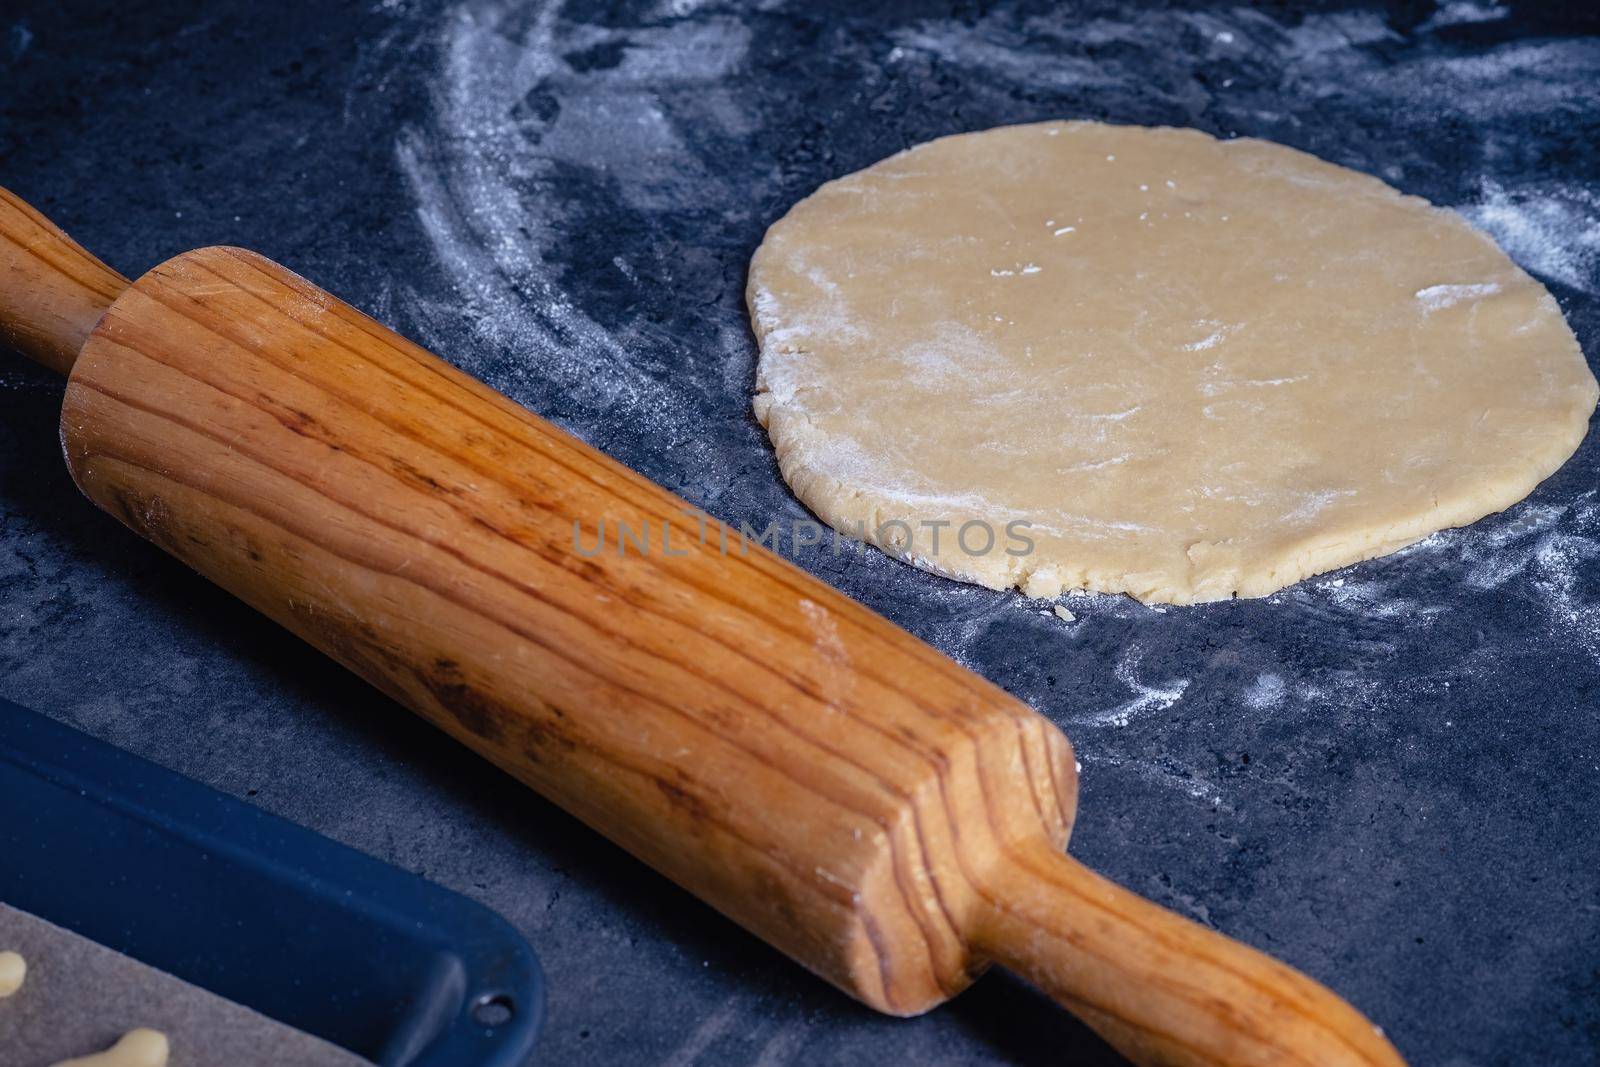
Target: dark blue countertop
column 1388, row 776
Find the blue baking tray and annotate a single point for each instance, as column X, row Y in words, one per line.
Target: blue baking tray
column 256, row 909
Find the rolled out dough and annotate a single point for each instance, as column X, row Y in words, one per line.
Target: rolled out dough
column 1189, row 369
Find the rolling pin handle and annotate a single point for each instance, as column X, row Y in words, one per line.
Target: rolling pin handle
column 1164, row 991
column 52, row 292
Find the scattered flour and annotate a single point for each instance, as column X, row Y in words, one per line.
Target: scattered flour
column 1544, row 552
column 1165, row 773
column 1552, row 230
column 1147, row 698
column 1265, row 692
column 1462, row 12
column 1438, row 297
column 486, row 173
column 1219, row 333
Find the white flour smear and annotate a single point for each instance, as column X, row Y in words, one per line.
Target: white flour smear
column 1548, row 553
column 1438, row 297
column 487, row 176
column 1147, row 697
column 1164, row 773
column 1552, row 230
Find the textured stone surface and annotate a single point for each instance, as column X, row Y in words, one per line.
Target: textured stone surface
column 1387, row 776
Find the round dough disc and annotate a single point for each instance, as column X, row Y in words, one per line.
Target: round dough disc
column 1146, row 361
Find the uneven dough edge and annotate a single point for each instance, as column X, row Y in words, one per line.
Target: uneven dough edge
column 845, row 510
column 1210, row 577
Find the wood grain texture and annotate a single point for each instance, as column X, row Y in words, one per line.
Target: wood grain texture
column 885, row 817
column 419, row 527
column 52, row 292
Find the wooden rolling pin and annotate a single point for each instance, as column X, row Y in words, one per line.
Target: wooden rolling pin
column 890, row 820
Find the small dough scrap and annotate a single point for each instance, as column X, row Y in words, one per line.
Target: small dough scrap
column 136, row 1048
column 13, row 969
column 1186, row 369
